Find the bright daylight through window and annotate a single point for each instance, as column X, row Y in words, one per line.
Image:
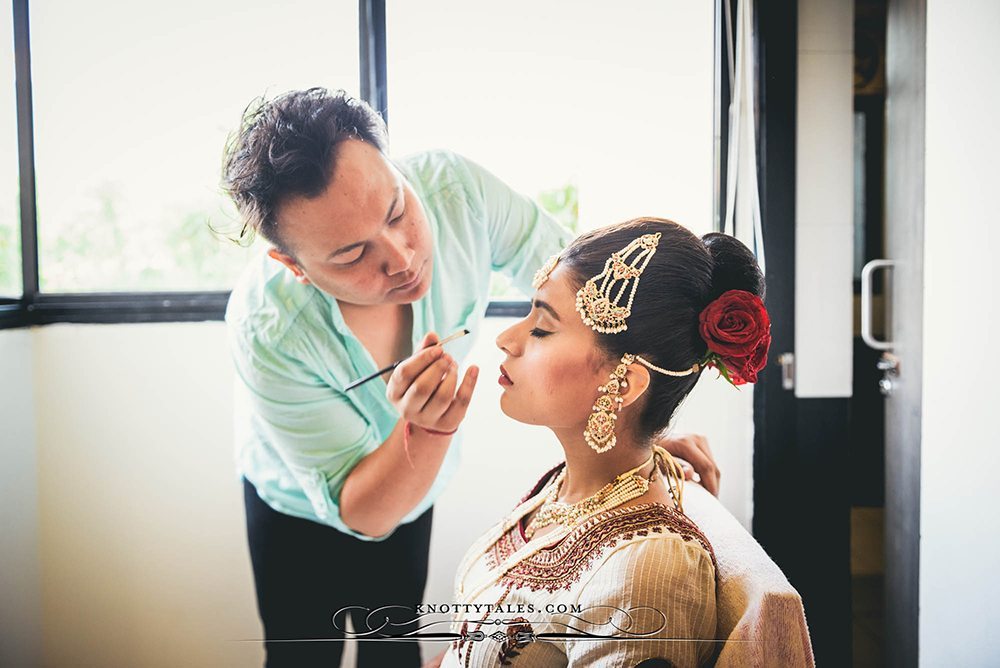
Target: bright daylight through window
column 133, row 104
column 599, row 111
column 10, row 236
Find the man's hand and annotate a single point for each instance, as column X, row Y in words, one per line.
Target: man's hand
column 695, row 457
column 423, row 388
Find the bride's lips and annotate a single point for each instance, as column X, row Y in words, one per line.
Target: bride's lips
column 504, row 378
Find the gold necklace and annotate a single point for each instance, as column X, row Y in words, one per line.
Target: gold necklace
column 625, row 487
column 667, row 466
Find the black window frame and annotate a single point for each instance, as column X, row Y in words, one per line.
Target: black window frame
column 37, row 308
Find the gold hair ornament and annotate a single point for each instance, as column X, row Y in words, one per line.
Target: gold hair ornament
column 594, row 301
column 594, row 304
column 599, row 305
column 542, row 274
column 605, row 314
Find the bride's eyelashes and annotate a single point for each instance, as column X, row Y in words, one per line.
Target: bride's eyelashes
column 540, row 333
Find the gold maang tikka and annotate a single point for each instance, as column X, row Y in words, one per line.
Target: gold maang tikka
column 542, row 274
column 599, row 304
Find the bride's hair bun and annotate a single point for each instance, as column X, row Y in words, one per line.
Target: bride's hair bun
column 734, row 266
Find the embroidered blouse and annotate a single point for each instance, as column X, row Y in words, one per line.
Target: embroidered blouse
column 625, row 585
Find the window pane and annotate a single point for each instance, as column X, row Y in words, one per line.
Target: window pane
column 10, row 226
column 608, row 106
column 134, row 102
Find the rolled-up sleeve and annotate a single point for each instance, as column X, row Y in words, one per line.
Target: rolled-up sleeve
column 315, row 430
column 522, row 234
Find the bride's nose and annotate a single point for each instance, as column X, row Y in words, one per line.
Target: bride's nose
column 507, row 341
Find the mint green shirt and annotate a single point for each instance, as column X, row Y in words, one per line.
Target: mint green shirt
column 298, row 434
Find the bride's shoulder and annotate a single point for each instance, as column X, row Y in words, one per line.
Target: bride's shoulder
column 651, row 527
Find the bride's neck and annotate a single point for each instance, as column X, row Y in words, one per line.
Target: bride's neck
column 588, row 471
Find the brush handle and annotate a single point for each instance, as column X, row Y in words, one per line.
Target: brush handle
column 373, row 376
column 457, row 335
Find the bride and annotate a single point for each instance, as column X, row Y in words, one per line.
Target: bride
column 598, row 565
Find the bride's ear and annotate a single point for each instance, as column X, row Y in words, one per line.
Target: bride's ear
column 638, row 382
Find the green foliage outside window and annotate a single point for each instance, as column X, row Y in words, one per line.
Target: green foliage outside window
column 101, row 250
column 10, row 262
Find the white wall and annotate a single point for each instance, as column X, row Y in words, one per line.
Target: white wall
column 141, row 533
column 959, row 518
column 824, row 200
column 139, row 544
column 20, row 581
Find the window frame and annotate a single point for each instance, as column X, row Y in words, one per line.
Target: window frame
column 37, row 308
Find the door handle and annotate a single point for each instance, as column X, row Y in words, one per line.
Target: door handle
column 866, row 304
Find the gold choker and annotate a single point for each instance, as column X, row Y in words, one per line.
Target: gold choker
column 625, row 487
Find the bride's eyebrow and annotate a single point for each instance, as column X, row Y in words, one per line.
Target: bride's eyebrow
column 538, row 303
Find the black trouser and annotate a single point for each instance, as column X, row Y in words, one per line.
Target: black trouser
column 305, row 572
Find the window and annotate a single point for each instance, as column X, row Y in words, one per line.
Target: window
column 599, row 112
column 133, row 103
column 10, row 227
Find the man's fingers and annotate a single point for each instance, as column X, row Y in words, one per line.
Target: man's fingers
column 456, row 412
column 711, row 469
column 430, row 338
column 421, row 389
column 694, row 448
column 439, row 400
column 701, row 443
column 705, row 466
column 689, row 472
column 686, row 467
column 406, row 373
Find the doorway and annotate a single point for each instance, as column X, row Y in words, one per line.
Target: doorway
column 866, row 427
column 836, row 480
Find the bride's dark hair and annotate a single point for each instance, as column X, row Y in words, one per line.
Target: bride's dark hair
column 682, row 278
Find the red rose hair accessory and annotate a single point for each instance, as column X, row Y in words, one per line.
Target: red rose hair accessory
column 737, row 329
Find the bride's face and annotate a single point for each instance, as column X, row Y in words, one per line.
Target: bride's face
column 553, row 366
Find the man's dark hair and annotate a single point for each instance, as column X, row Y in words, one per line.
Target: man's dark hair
column 286, row 147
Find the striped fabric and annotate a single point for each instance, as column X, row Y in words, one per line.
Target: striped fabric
column 643, row 574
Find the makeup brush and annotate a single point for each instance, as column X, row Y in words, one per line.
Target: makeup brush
column 457, row 335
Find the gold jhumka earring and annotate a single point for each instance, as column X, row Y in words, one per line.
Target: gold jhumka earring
column 600, row 431
column 599, row 305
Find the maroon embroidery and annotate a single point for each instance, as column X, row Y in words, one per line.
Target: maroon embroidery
column 503, row 548
column 562, row 564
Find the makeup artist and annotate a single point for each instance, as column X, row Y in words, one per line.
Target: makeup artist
column 367, row 259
